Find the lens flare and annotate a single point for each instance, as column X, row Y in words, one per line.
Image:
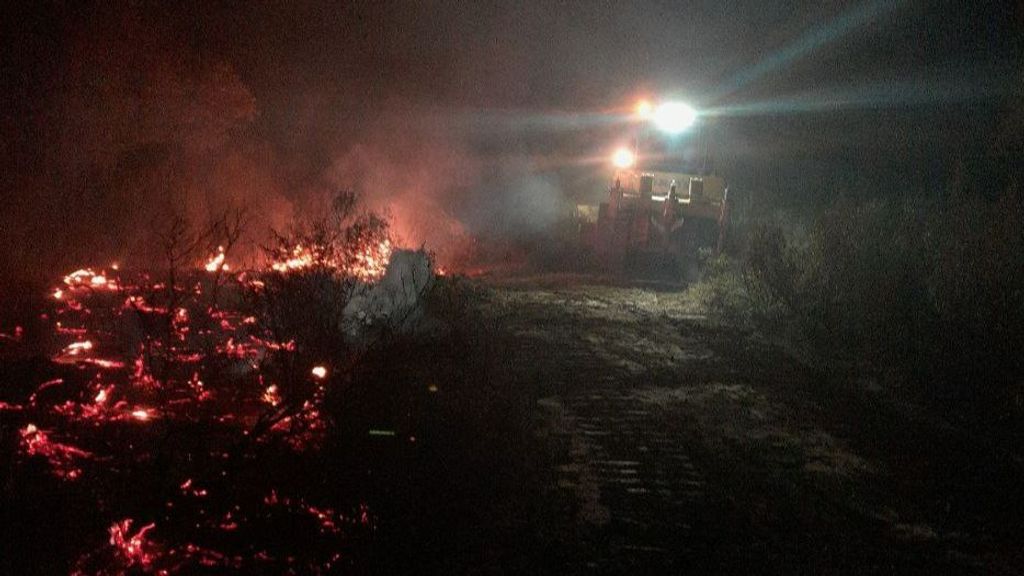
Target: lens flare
column 623, row 158
column 674, row 117
column 644, row 109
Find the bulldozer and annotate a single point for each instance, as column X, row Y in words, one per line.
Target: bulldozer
column 656, row 222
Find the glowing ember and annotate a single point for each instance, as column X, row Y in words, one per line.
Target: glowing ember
column 76, row 348
column 142, row 414
column 126, row 385
column 325, row 516
column 132, row 548
column 271, row 395
column 32, row 437
column 76, row 332
column 141, row 377
column 187, row 487
column 16, row 337
column 216, row 262
column 102, row 363
column 97, row 410
column 61, row 457
column 77, row 352
column 138, row 303
column 329, row 520
column 199, row 389
column 44, row 386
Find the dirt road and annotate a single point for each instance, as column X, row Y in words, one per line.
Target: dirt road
column 561, row 427
column 685, row 447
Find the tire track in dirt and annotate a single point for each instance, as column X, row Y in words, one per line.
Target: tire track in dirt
column 684, row 447
column 636, row 487
column 637, row 490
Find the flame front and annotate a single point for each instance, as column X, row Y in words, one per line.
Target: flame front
column 216, row 262
column 367, row 263
column 300, row 258
column 372, row 261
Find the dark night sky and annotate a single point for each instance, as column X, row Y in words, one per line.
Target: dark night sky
column 475, row 115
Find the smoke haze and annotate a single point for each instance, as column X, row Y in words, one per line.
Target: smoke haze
column 465, row 121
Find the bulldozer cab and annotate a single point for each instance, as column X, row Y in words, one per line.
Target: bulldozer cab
column 661, row 219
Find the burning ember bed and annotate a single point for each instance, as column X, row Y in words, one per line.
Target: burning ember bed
column 177, row 424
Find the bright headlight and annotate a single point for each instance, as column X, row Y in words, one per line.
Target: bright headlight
column 623, row 158
column 674, row 117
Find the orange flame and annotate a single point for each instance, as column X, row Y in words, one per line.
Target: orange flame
column 87, row 277
column 299, row 258
column 216, row 262
column 369, row 264
column 372, row 262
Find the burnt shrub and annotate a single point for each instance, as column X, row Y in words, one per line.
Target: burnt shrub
column 865, row 293
column 774, row 274
column 722, row 291
column 977, row 289
column 316, row 269
column 930, row 296
column 307, row 308
column 336, row 296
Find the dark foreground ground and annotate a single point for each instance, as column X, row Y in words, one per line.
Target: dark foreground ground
column 688, row 448
column 572, row 429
